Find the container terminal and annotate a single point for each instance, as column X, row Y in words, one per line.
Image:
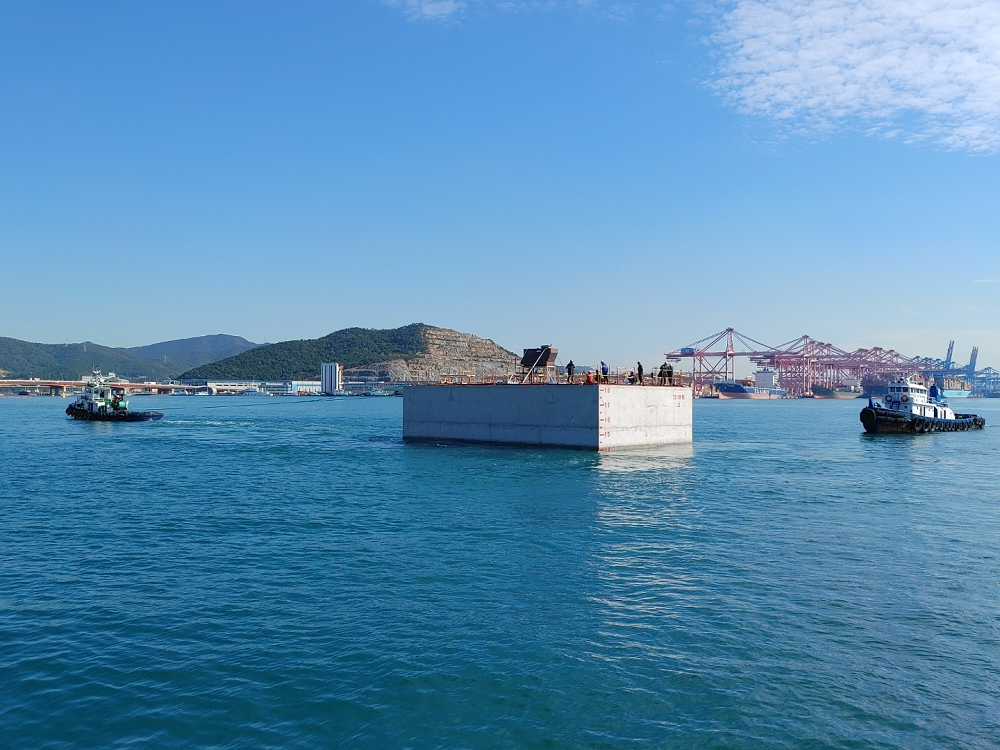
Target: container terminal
column 807, row 368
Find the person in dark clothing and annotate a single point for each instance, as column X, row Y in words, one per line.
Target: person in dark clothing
column 638, row 371
column 570, row 369
column 663, row 374
column 670, row 374
column 604, row 371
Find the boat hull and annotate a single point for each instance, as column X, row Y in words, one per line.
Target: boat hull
column 120, row 416
column 822, row 392
column 878, row 420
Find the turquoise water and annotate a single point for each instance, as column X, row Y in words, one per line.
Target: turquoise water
column 287, row 573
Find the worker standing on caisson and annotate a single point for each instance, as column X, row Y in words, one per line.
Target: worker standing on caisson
column 604, row 371
column 570, row 369
column 638, row 372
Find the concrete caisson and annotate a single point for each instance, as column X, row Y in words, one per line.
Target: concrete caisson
column 597, row 417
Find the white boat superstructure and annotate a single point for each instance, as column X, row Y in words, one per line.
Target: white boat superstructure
column 97, row 398
column 916, row 400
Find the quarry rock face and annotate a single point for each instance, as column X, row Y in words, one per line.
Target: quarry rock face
column 448, row 354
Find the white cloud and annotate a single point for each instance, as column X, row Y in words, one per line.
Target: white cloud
column 908, row 69
column 428, row 9
column 445, row 9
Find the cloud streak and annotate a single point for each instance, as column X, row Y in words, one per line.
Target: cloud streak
column 436, row 10
column 439, row 10
column 918, row 70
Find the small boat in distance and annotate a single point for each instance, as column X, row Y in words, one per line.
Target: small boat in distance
column 909, row 407
column 378, row 392
column 98, row 403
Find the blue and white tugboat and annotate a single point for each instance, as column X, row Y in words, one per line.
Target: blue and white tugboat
column 98, row 403
column 910, row 407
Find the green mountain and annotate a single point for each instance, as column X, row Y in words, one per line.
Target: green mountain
column 183, row 354
column 24, row 359
column 300, row 360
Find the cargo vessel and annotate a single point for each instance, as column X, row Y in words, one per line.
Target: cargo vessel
column 98, row 403
column 764, row 386
column 956, row 393
column 821, row 391
column 909, row 407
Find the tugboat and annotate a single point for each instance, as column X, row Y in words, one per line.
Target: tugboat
column 98, row 404
column 910, row 407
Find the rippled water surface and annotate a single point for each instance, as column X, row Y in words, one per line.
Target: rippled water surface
column 286, row 572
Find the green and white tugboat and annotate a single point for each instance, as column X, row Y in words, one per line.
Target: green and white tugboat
column 909, row 406
column 99, row 403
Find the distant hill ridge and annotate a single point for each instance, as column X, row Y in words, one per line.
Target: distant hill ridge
column 416, row 351
column 24, row 359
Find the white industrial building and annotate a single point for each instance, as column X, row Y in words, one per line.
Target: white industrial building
column 331, row 378
column 292, row 387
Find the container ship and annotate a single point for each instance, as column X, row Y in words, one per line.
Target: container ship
column 840, row 391
column 763, row 386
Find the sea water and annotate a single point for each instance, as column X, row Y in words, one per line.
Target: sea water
column 289, row 573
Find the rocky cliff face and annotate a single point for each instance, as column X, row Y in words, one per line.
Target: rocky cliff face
column 448, row 353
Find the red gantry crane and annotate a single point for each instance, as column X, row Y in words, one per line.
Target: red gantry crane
column 799, row 364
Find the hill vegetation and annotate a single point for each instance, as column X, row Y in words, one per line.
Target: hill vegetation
column 24, row 359
column 300, row 360
column 183, row 354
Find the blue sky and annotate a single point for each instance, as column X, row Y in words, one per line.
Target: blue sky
column 617, row 179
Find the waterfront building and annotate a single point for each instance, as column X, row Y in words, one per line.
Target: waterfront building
column 292, row 387
column 331, row 378
column 231, row 386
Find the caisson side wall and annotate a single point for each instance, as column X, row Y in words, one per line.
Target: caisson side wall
column 597, row 417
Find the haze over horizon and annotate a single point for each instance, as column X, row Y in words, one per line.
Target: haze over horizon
column 618, row 179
